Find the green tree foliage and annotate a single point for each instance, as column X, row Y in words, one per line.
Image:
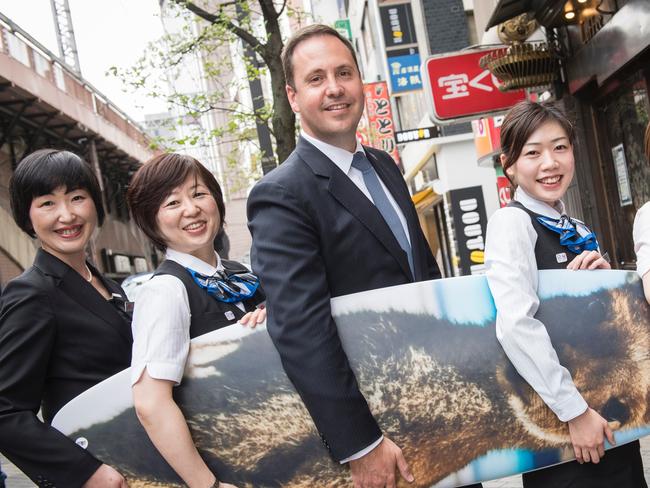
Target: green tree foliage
column 209, row 32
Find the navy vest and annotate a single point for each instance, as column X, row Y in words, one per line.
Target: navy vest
column 549, row 253
column 208, row 314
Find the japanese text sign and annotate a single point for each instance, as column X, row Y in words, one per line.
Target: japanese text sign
column 381, row 130
column 404, row 71
column 460, row 89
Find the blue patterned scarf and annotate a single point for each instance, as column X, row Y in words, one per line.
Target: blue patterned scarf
column 226, row 286
column 567, row 228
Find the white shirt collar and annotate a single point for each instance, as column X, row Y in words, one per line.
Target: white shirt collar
column 538, row 206
column 194, row 263
column 340, row 157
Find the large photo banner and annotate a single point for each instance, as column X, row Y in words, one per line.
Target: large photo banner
column 436, row 379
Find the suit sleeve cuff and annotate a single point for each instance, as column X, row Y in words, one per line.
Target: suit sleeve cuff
column 363, row 452
column 82, row 471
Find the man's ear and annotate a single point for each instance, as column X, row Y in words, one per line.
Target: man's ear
column 291, row 95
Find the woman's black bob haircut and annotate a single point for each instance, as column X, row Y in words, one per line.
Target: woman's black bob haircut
column 42, row 172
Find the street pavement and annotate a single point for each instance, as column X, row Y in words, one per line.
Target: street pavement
column 15, row 479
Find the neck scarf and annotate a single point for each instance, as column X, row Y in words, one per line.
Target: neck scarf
column 227, row 287
column 567, row 228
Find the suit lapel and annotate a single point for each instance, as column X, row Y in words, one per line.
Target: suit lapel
column 82, row 292
column 355, row 202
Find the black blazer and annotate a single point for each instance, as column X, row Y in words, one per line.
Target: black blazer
column 58, row 337
column 316, row 236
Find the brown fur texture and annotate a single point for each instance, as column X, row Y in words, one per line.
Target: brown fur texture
column 442, row 391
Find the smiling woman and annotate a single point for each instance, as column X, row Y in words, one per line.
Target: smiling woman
column 63, row 326
column 530, row 234
column 178, row 203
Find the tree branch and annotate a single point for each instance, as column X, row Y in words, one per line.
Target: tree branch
column 284, row 5
column 244, row 35
column 268, row 10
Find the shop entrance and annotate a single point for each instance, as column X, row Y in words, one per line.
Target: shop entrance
column 622, row 117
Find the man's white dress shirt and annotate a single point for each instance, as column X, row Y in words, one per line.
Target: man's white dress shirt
column 343, row 159
column 513, row 279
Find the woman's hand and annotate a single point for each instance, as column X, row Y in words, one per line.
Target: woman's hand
column 586, row 431
column 589, row 260
column 254, row 318
column 106, row 477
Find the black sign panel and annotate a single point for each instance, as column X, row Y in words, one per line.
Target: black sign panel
column 468, row 212
column 421, row 134
column 397, row 24
column 404, row 52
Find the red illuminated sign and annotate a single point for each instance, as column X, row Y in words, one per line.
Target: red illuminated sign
column 503, row 187
column 460, row 89
column 487, row 136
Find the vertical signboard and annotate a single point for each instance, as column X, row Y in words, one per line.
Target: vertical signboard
column 404, row 70
column 504, row 188
column 622, row 178
column 397, row 24
column 343, row 28
column 487, row 136
column 381, row 130
column 468, row 213
column 363, row 132
column 401, row 44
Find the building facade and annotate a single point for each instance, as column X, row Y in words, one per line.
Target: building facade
column 44, row 104
column 392, row 35
column 603, row 86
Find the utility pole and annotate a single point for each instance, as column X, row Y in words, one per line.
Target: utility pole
column 65, row 34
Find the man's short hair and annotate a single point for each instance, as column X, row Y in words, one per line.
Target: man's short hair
column 155, row 181
column 302, row 35
column 42, row 172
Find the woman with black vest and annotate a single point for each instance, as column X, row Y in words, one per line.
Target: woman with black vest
column 178, row 203
column 530, row 234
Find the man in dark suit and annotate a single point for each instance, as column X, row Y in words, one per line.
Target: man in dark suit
column 329, row 222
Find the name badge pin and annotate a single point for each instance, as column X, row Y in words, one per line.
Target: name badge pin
column 229, row 315
column 561, row 257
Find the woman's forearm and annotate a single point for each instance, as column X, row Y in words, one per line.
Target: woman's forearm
column 168, row 430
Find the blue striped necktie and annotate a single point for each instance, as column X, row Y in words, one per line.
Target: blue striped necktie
column 387, row 211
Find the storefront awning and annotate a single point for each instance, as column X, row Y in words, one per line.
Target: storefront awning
column 547, row 12
column 425, row 198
